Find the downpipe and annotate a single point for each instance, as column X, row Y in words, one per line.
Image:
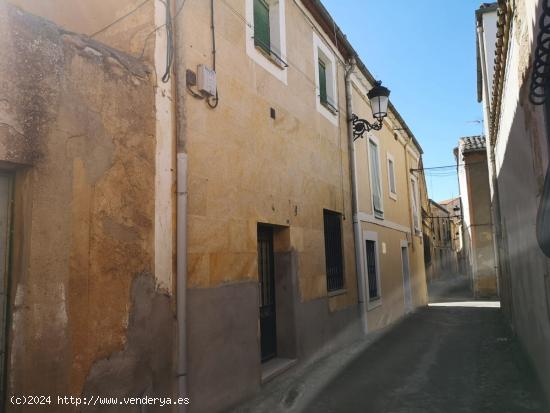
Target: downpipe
column 181, row 220
column 361, row 284
column 181, row 275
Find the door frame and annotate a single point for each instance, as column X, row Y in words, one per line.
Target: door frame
column 7, row 303
column 271, row 229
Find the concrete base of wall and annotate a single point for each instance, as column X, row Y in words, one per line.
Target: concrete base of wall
column 224, row 346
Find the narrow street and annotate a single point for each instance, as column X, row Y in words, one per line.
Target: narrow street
column 440, row 359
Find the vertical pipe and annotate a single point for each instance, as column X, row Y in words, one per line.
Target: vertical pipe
column 361, row 285
column 181, row 274
column 181, row 216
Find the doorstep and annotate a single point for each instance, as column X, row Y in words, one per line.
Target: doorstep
column 276, row 366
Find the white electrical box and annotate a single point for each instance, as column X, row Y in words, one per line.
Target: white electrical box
column 206, row 80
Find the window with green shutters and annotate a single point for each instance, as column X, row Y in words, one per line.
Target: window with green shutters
column 261, row 25
column 322, row 81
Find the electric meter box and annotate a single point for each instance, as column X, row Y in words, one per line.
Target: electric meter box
column 206, row 80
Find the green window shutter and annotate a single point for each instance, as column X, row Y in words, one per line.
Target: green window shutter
column 322, row 82
column 261, row 25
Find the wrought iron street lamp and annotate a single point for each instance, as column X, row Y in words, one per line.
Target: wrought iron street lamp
column 378, row 97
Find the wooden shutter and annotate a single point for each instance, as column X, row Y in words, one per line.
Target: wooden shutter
column 261, row 25
column 322, row 81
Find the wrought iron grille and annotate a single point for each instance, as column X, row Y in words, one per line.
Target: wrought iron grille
column 333, row 250
column 371, row 269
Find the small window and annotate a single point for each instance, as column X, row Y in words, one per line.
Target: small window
column 414, row 202
column 375, row 180
column 333, row 250
column 372, row 270
column 391, row 177
column 325, row 78
column 262, row 38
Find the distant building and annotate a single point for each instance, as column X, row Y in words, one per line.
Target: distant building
column 454, row 207
column 444, row 257
column 473, row 179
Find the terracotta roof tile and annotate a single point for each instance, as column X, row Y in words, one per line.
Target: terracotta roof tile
column 472, row 143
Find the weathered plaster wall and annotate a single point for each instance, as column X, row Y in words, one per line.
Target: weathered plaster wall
column 86, row 316
column 247, row 168
column 132, row 34
column 480, row 226
column 522, row 159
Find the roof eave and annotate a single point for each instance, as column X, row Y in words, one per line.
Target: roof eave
column 344, row 46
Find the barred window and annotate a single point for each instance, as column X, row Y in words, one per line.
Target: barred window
column 333, row 250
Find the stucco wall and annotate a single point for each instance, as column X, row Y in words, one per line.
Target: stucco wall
column 247, row 168
column 396, row 225
column 480, row 225
column 132, row 35
column 86, row 317
column 522, row 158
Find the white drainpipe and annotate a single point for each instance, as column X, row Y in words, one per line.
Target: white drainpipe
column 361, row 284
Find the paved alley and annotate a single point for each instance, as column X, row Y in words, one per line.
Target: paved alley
column 441, row 359
column 450, row 357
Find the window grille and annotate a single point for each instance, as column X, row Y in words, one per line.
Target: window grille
column 333, row 250
column 372, row 273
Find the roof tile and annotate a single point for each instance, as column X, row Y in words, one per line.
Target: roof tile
column 472, row 143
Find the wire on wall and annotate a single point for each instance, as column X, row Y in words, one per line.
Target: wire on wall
column 213, row 30
column 169, row 42
column 119, row 19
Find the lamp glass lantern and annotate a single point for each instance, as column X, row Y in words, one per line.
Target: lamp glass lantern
column 378, row 97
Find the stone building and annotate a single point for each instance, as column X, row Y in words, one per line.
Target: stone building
column 454, row 207
column 272, row 190
column 512, row 87
column 389, row 212
column 191, row 214
column 444, row 256
column 88, row 304
column 477, row 229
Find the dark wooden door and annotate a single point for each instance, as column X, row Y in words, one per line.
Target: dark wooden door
column 266, row 276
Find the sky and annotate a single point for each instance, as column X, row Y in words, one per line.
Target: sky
column 424, row 51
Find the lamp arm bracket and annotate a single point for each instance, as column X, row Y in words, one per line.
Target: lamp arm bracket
column 360, row 126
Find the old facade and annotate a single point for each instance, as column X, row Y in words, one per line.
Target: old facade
column 219, row 236
column 89, row 303
column 444, row 255
column 389, row 211
column 454, row 208
column 477, row 228
column 512, row 86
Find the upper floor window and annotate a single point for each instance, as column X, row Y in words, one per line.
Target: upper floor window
column 391, row 177
column 262, row 35
column 376, row 184
column 325, row 75
column 323, row 82
column 266, row 38
column 414, row 202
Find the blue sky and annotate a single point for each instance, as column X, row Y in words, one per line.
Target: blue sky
column 424, row 52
